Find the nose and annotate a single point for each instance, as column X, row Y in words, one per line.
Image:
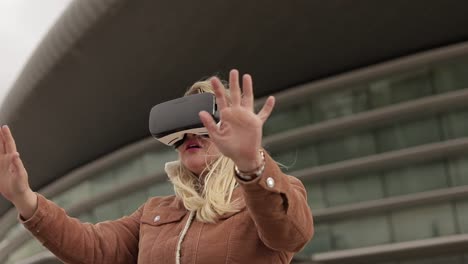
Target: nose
column 181, row 142
column 189, row 135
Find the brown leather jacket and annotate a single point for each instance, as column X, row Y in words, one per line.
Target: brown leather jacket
column 274, row 223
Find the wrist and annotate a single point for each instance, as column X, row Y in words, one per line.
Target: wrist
column 250, row 162
column 19, row 196
column 248, row 175
column 26, row 204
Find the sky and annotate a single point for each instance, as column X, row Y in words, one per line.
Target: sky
column 23, row 24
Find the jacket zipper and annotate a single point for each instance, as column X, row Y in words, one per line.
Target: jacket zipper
column 182, row 235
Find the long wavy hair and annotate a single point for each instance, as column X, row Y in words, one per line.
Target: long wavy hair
column 210, row 196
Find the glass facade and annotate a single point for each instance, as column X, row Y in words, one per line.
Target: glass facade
column 443, row 218
column 396, row 225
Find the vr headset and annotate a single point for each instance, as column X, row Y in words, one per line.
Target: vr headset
column 170, row 121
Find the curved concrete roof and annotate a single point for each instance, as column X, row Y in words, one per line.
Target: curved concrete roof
column 89, row 86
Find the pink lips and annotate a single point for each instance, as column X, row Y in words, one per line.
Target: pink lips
column 192, row 144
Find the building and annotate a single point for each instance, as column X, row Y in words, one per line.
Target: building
column 372, row 114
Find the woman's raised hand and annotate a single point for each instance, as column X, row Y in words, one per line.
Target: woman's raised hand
column 14, row 184
column 239, row 136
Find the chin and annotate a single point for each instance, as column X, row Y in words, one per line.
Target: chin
column 196, row 164
column 195, row 168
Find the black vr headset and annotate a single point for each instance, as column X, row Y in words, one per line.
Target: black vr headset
column 170, row 121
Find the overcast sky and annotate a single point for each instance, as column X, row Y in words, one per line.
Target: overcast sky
column 23, row 23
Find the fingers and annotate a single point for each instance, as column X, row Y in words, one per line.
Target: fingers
column 234, row 87
column 2, row 142
column 237, row 99
column 247, row 89
column 210, row 124
column 267, row 109
column 218, row 88
column 10, row 146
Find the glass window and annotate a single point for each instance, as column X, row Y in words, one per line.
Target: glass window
column 293, row 116
column 320, row 108
column 458, row 169
column 451, row 75
column 380, row 94
column 349, row 147
column 320, row 243
column 153, row 162
column 360, row 232
column 455, row 125
column 161, row 189
column 339, row 104
column 129, row 171
column 289, row 159
column 307, row 157
column 417, row 178
column 297, row 158
column 108, row 211
column 395, row 89
column 353, row 189
column 103, row 182
column 315, row 195
column 28, row 249
column 14, row 231
column 130, row 203
column 462, row 215
column 408, row 134
column 401, row 88
column 73, row 195
column 423, row 222
column 120, row 207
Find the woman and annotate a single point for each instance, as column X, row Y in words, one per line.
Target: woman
column 232, row 204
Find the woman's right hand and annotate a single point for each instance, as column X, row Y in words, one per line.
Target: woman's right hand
column 14, row 184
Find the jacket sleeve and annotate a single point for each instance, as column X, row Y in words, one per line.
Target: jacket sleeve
column 75, row 242
column 279, row 209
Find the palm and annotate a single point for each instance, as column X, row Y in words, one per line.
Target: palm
column 230, row 140
column 13, row 176
column 239, row 135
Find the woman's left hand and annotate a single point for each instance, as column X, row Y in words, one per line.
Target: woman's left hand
column 239, row 136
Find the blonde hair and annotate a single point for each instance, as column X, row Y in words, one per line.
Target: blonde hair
column 211, row 195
